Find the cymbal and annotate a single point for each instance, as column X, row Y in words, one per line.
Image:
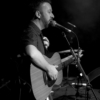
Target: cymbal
column 68, row 51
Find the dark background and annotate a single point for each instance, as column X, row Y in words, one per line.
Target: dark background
column 84, row 14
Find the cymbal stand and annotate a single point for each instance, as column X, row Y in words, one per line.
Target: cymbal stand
column 78, row 65
column 21, row 81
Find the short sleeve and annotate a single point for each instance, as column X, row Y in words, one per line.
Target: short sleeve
column 32, row 37
column 29, row 38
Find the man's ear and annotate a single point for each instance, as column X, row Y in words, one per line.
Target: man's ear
column 38, row 14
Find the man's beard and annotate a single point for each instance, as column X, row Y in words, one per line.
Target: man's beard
column 47, row 24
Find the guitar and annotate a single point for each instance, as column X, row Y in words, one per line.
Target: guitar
column 41, row 82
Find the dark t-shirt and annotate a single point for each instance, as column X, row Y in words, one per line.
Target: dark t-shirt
column 33, row 36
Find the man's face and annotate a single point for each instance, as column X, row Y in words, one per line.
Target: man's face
column 46, row 13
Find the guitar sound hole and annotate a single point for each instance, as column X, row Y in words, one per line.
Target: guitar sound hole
column 48, row 80
column 51, row 82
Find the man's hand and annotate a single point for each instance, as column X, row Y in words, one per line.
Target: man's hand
column 46, row 42
column 52, row 72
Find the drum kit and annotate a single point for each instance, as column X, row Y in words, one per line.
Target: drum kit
column 71, row 88
column 78, row 88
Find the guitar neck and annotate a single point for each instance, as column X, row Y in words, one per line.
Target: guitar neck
column 64, row 62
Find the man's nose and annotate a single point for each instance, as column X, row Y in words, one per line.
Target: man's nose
column 53, row 15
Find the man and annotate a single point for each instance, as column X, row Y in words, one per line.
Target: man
column 32, row 39
column 43, row 16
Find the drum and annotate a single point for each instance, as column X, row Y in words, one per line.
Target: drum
column 94, row 74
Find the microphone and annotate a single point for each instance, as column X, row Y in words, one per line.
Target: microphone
column 55, row 24
column 71, row 24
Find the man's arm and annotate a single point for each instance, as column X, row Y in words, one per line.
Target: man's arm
column 37, row 57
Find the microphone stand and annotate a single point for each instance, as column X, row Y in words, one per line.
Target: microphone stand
column 80, row 67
